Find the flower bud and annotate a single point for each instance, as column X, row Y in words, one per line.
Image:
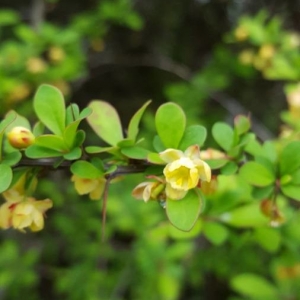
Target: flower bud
column 20, row 137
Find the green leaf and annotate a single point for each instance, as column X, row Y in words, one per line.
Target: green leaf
column 256, row 174
column 135, row 152
column 105, row 121
column 254, row 286
column 291, row 190
column 154, row 158
column 133, row 127
column 229, row 169
column 49, row 106
column 223, row 135
column 9, row 118
column 70, row 133
column 193, row 135
column 170, row 123
column 85, row 169
column 51, row 141
column 157, row 144
column 6, row 176
column 35, row 151
column 245, row 216
column 96, row 149
column 18, row 121
column 75, row 153
column 289, row 160
column 242, row 124
column 268, row 238
column 262, row 192
column 179, row 234
column 184, row 213
column 216, row 233
column 216, row 163
column 12, row 158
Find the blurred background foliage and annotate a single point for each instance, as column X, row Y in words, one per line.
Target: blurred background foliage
column 216, row 59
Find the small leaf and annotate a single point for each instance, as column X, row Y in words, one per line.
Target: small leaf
column 254, row 286
column 105, row 121
column 6, row 176
column 229, row 169
column 75, row 153
column 72, row 113
column 179, row 234
column 85, row 169
column 245, row 216
column 223, row 135
column 157, row 144
column 193, row 135
column 291, row 190
column 9, row 118
column 154, row 158
column 51, row 141
column 216, row 163
column 184, row 213
column 35, row 151
column 268, row 238
column 96, row 149
column 256, row 174
column 49, row 106
column 135, row 152
column 216, row 233
column 170, row 123
column 12, row 158
column 133, row 127
column 289, row 160
column 70, row 133
column 242, row 124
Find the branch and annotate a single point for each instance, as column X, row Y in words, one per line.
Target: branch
column 37, row 14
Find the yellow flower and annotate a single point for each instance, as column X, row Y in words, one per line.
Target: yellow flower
column 241, row 33
column 147, row 190
column 27, row 213
column 184, row 169
column 20, row 137
column 93, row 187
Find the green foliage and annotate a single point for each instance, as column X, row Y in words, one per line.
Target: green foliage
column 184, row 213
column 166, row 248
column 168, row 117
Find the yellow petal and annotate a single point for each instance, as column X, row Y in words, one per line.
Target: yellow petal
column 170, row 155
column 138, row 191
column 83, row 185
column 193, row 152
column 42, row 205
column 98, row 191
column 174, row 194
column 5, row 215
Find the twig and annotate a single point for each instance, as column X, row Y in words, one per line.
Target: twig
column 37, row 14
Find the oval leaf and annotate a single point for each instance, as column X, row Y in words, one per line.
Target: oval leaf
column 254, row 286
column 133, row 127
column 105, row 121
column 6, row 176
column 170, row 123
column 289, row 160
column 256, row 174
column 49, row 105
column 135, row 152
column 193, row 135
column 85, row 169
column 223, row 135
column 184, row 213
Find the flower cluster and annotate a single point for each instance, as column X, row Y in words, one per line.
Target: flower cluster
column 20, row 211
column 182, row 172
column 93, row 187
